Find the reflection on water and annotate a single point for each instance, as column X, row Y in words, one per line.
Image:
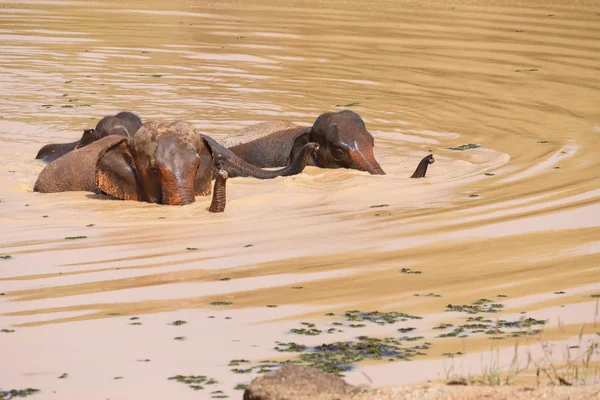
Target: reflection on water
column 506, row 217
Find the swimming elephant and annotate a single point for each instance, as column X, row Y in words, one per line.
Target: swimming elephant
column 344, row 142
column 124, row 123
column 165, row 164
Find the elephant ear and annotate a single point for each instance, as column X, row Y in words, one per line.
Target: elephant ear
column 301, row 140
column 204, row 173
column 116, row 174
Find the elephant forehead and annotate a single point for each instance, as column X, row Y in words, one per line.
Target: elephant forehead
column 153, row 135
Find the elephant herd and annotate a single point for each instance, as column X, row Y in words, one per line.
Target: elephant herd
column 172, row 163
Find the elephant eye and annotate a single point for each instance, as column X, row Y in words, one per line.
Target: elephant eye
column 339, row 154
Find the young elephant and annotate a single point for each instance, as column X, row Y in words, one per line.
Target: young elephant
column 344, row 142
column 124, row 123
column 166, row 164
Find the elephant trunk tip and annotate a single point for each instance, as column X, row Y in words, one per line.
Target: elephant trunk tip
column 422, row 167
column 219, row 200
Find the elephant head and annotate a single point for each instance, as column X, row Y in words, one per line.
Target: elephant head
column 344, row 142
column 170, row 164
column 125, row 123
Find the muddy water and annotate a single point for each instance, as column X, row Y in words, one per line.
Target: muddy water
column 522, row 81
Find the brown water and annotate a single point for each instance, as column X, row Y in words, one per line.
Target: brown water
column 521, row 80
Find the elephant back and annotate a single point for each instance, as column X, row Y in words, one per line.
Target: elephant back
column 256, row 131
column 75, row 171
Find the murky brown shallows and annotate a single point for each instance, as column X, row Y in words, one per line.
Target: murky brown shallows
column 516, row 221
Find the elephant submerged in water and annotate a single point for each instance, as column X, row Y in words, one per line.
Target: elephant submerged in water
column 344, row 142
column 166, row 164
column 125, row 123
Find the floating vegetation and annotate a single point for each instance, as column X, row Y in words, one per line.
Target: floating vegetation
column 136, row 323
column 221, row 303
column 339, row 357
column 543, row 141
column 116, row 378
column 457, row 332
column 465, row 147
column 178, row 322
column 238, row 362
column 473, row 195
column 271, row 305
column 134, row 318
column 6, row 257
column 191, row 248
column 377, row 317
column 299, row 287
column 90, row 225
column 144, row 360
column 75, row 237
column 406, row 330
column 180, row 338
column 249, row 245
column 63, row 376
column 410, row 271
column 290, row 347
column 309, row 330
column 7, row 330
column 194, row 381
column 224, row 279
column 595, row 295
column 113, row 314
column 14, row 393
column 494, row 329
column 157, row 76
column 240, row 386
column 560, row 292
column 329, row 314
column 501, row 295
column 526, row 70
column 357, row 325
column 479, row 306
column 380, row 205
column 427, row 295
column 489, row 174
column 348, row 105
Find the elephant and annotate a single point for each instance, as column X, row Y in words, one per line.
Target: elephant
column 422, row 167
column 125, row 123
column 165, row 164
column 344, row 142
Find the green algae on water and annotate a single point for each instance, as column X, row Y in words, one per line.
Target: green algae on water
column 14, row 393
column 463, row 147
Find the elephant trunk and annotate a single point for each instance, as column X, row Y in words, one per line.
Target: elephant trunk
column 422, row 167
column 219, row 198
column 177, row 192
column 238, row 167
column 366, row 162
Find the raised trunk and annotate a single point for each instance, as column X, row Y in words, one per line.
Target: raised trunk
column 219, row 199
column 422, row 167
